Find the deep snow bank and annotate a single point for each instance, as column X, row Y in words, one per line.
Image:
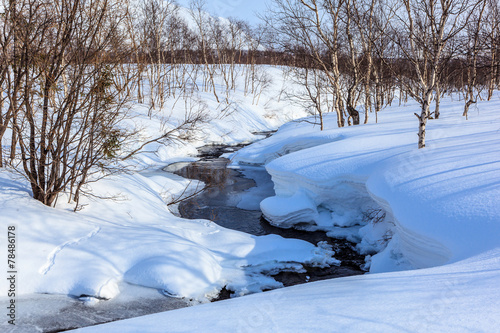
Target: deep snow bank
column 460, row 297
column 137, row 240
column 133, row 237
column 441, row 202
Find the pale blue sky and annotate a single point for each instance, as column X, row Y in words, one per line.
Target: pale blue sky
column 242, row 9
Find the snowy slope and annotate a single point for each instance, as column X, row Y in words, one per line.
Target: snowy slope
column 242, row 117
column 133, row 238
column 462, row 297
column 442, row 206
column 439, row 198
column 137, row 240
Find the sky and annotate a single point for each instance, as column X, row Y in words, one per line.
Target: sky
column 241, row 9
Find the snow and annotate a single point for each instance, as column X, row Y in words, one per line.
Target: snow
column 460, row 297
column 137, row 240
column 439, row 253
column 436, row 199
column 434, row 259
column 111, row 246
column 237, row 124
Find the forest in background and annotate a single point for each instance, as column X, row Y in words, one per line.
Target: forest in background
column 70, row 69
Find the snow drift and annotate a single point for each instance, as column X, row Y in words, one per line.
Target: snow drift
column 435, row 200
column 441, row 208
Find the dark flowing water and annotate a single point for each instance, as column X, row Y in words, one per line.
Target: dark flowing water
column 228, row 189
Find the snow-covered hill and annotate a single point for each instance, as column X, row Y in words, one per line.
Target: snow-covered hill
column 442, row 206
column 441, row 226
column 133, row 238
column 437, row 199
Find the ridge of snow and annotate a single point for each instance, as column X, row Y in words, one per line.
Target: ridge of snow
column 435, row 198
column 460, row 297
column 133, row 238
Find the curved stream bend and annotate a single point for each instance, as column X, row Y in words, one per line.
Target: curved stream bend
column 229, row 189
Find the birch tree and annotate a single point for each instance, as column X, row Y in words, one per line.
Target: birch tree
column 314, row 27
column 472, row 46
column 424, row 31
column 492, row 23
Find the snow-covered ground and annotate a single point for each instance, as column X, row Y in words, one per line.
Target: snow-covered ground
column 439, row 265
column 111, row 246
column 137, row 240
column 462, row 297
column 440, row 251
column 436, row 199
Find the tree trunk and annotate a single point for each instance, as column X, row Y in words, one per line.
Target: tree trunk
column 438, row 101
column 322, row 126
column 367, row 101
column 139, row 84
column 422, row 119
column 13, row 144
column 339, row 109
column 494, row 68
column 354, row 114
column 466, row 108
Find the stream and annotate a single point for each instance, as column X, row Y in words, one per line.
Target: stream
column 231, row 199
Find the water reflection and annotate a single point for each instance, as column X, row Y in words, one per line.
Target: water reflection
column 226, row 188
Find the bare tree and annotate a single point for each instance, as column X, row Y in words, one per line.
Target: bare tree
column 424, row 29
column 202, row 21
column 156, row 24
column 312, row 92
column 195, row 114
column 472, row 47
column 492, row 23
column 354, row 62
column 70, row 94
column 5, row 46
column 368, row 19
column 313, row 28
column 325, row 19
column 11, row 73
